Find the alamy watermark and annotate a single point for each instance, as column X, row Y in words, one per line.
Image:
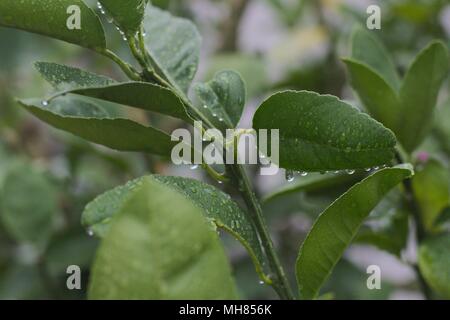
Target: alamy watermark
column 238, row 146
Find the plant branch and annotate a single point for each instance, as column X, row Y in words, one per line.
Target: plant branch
column 280, row 282
column 126, row 68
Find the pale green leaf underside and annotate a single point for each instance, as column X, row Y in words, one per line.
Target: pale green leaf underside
column 321, row 132
column 159, row 246
column 128, row 15
column 434, row 262
column 49, row 18
column 142, row 95
column 216, row 206
column 91, row 122
column 336, row 227
column 223, row 99
column 174, row 45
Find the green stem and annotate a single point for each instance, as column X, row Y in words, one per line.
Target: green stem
column 126, row 68
column 280, row 282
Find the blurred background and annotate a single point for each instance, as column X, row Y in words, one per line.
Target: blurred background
column 49, row 176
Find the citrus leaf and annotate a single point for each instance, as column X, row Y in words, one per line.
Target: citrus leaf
column 321, row 132
column 63, row 77
column 142, row 95
column 432, row 190
column 434, row 262
column 223, row 99
column 128, row 15
column 367, row 49
column 419, row 93
column 216, row 206
column 387, row 225
column 159, row 246
column 49, row 18
column 336, row 227
column 174, row 45
column 89, row 121
column 380, row 100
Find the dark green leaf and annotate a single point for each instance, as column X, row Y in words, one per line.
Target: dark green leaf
column 434, row 262
column 159, row 246
column 216, row 206
column 336, row 227
column 49, row 17
column 321, row 132
column 223, row 99
column 89, row 121
column 128, row 15
column 174, row 45
column 28, row 204
column 146, row 96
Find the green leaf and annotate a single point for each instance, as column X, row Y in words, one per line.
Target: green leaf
column 380, row 100
column 49, row 18
column 408, row 108
column 159, row 246
column 142, row 95
column 128, row 15
column 28, row 204
column 336, row 227
column 64, row 78
column 89, row 121
column 216, row 206
column 387, row 225
column 174, row 45
column 419, row 93
column 434, row 262
column 432, row 190
column 223, row 99
column 321, row 132
column 366, row 48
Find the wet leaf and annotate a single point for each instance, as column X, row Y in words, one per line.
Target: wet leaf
column 159, row 246
column 223, row 99
column 321, row 132
column 174, row 45
column 128, row 15
column 215, row 205
column 337, row 226
column 49, row 18
column 91, row 122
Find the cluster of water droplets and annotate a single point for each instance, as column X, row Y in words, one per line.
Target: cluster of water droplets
column 215, row 115
column 290, row 175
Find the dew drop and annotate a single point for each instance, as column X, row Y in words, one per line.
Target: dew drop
column 90, row 232
column 220, row 119
column 350, row 172
column 368, row 169
column 205, row 106
column 194, row 167
column 303, row 173
column 45, row 103
column 289, row 175
column 261, row 282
